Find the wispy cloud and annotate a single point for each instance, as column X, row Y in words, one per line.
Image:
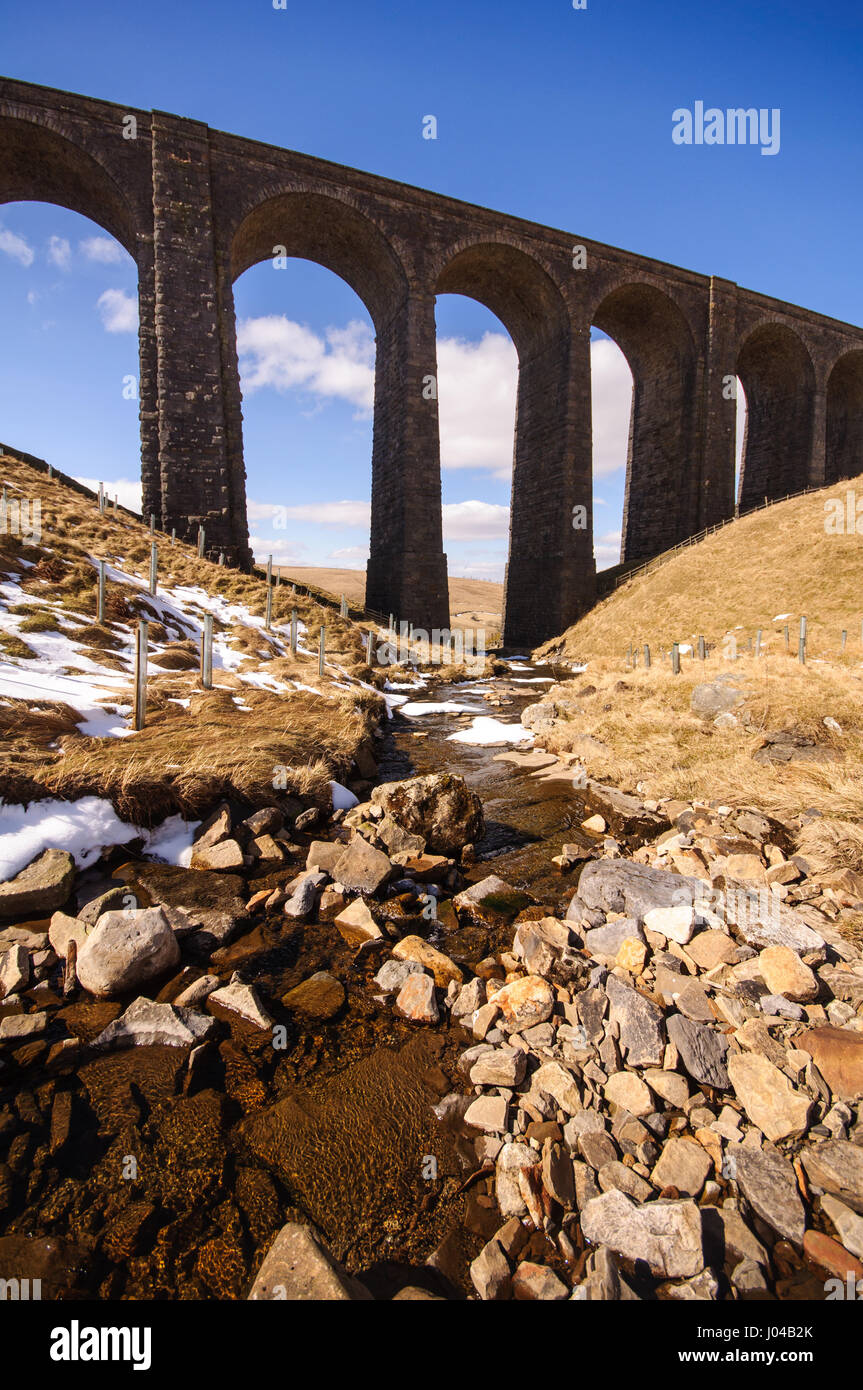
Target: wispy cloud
column 20, row 250
column 59, row 252
column 118, row 311
column 276, row 352
column 102, row 249
column 127, row 490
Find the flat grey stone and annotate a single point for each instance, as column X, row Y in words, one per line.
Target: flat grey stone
column 767, row 1181
column 702, row 1049
column 619, row 885
column 642, row 1035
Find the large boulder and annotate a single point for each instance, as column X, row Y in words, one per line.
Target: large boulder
column 41, row 887
column 439, row 807
column 621, row 885
column 125, row 950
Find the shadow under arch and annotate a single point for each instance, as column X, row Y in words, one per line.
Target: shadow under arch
column 550, row 576
column 779, row 380
column 845, row 418
column 661, row 500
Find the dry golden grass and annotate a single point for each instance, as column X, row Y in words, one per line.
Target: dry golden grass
column 780, row 560
column 638, row 727
column 185, row 758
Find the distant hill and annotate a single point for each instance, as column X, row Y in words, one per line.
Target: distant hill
column 473, row 602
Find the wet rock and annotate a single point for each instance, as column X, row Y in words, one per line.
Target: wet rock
column 416, row 999
column 125, row 950
column 415, row 948
column 826, row 1252
column 15, row 1027
column 490, row 1273
column 147, row 1024
column 320, row 996
column 324, row 855
column 836, row 1166
column 767, row 1182
column 393, row 974
column 525, row 1002
column 267, row 821
column 242, row 999
column 14, row 970
column 196, row 992
column 537, row 1283
column 702, row 1050
column 357, row 925
column 361, row 868
column 41, row 887
column 298, row 1268
column 557, row 1175
column 838, row 1055
column 491, row 902
column 666, row 1235
column 207, row 909
column 768, row 1097
column 301, row 903
column 621, row 885
column 114, row 898
column 439, row 807
column 641, row 1024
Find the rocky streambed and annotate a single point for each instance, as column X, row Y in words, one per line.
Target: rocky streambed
column 485, row 1034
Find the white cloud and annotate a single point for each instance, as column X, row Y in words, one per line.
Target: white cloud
column 352, row 557
column 119, row 311
column 611, row 396
column 102, row 249
column 276, row 352
column 476, row 403
column 606, row 549
column 127, row 490
column 15, row 246
column 59, row 252
column 327, row 513
column 284, row 552
column 471, row 521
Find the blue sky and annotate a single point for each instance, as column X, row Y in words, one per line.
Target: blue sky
column 558, row 115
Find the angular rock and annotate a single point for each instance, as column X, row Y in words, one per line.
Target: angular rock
column 702, row 1050
column 619, row 1177
column 628, row 1091
column 838, row 1055
column 298, row 1268
column 393, row 974
column 785, row 973
column 711, row 948
column 683, row 1164
column 242, row 999
column 148, row 1024
column 488, row 1113
column 674, row 923
column 196, row 992
column 301, row 903
column 621, row 885
column 830, row 1255
column 847, row 1223
column 489, row 902
column 558, row 1083
column 836, row 1165
column 767, row 1181
column 416, row 999
column 557, row 1176
column 39, row 888
column 511, row 1159
column 223, row 857
column 323, row 855
column 357, row 925
column 415, row 948
column 606, row 941
column 126, row 949
column 490, row 1273
column 666, row 1235
column 14, row 970
column 525, row 1002
column 641, row 1023
column 469, row 998
column 768, row 1097
column 762, row 919
column 540, row 944
column 503, row 1066
column 537, row 1282
column 17, row 1026
column 361, row 868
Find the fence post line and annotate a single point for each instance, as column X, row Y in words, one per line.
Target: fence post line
column 100, row 594
column 140, row 707
column 322, row 644
column 207, row 652
column 293, row 632
column 221, row 557
column 154, row 567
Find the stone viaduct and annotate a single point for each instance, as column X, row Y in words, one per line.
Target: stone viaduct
column 196, row 207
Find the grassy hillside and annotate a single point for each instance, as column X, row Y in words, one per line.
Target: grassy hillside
column 473, row 602
column 777, row 561
column 66, row 679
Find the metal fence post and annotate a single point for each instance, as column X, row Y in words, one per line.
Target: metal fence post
column 647, row 656
column 201, row 538
column 321, row 651
column 207, row 652
column 154, row 567
column 293, row 632
column 140, row 707
column 675, row 659
column 100, row 594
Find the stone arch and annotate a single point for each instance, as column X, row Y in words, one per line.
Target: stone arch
column 330, row 231
column 845, row 417
column 38, row 164
column 778, row 377
column 661, row 492
column 550, row 574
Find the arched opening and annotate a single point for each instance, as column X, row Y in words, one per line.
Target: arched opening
column 779, row 382
column 660, row 504
column 550, row 573
column 72, row 360
column 845, row 418
column 610, row 413
column 406, row 571
column 306, row 352
column 477, row 376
